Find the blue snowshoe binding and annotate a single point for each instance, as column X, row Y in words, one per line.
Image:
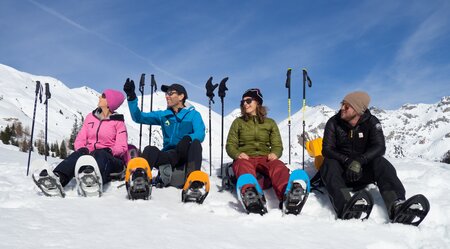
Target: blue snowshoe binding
column 297, row 192
column 252, row 198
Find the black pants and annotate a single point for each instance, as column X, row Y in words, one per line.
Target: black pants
column 187, row 154
column 379, row 171
column 106, row 162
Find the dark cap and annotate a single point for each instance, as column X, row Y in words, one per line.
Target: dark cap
column 175, row 87
column 255, row 94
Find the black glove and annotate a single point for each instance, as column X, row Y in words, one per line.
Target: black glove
column 354, row 170
column 129, row 89
column 83, row 151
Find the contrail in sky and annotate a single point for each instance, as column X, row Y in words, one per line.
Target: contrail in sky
column 107, row 40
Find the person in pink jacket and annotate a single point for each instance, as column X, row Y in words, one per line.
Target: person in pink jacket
column 103, row 135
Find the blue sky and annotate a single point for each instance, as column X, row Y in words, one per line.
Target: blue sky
column 397, row 51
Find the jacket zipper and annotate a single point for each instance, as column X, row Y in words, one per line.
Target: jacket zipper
column 96, row 134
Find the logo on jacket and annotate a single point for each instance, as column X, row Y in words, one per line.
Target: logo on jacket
column 378, row 126
column 167, row 123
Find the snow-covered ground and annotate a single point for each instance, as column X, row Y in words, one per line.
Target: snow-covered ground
column 28, row 219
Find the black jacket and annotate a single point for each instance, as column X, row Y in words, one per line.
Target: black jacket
column 363, row 142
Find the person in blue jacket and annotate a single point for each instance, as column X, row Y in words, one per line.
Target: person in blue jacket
column 183, row 132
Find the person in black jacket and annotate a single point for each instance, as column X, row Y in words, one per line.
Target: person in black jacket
column 353, row 148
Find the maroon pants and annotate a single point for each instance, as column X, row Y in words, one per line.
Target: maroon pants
column 277, row 172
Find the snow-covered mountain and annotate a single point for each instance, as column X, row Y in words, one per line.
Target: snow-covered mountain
column 31, row 220
column 414, row 130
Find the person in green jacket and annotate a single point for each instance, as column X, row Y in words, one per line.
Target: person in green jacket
column 254, row 143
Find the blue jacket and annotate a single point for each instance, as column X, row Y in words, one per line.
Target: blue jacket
column 174, row 127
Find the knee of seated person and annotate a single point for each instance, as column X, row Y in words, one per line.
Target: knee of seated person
column 186, row 139
column 328, row 164
column 196, row 143
column 149, row 150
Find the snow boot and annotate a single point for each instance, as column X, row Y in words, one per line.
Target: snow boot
column 361, row 202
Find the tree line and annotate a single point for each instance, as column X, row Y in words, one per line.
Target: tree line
column 17, row 135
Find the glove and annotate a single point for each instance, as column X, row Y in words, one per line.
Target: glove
column 354, row 170
column 83, row 151
column 129, row 89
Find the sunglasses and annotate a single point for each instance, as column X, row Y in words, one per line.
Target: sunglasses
column 345, row 106
column 248, row 101
column 103, row 96
column 171, row 93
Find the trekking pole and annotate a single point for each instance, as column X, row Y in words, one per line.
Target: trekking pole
column 141, row 89
column 305, row 79
column 38, row 91
column 222, row 89
column 210, row 87
column 288, row 86
column 153, row 88
column 48, row 95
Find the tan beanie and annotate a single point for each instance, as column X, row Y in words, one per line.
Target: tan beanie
column 358, row 100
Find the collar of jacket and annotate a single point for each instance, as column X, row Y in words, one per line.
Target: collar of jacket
column 366, row 115
column 114, row 116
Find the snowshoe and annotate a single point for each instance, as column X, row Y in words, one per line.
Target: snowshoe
column 297, row 191
column 252, row 198
column 295, row 199
column 412, row 211
column 196, row 187
column 138, row 179
column 361, row 202
column 253, row 202
column 88, row 177
column 46, row 180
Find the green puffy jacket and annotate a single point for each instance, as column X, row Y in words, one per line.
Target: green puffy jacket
column 253, row 138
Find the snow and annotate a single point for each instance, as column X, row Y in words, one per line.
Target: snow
column 31, row 220
column 28, row 219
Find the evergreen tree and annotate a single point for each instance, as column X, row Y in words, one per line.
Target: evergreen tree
column 13, row 131
column 63, row 150
column 40, row 147
column 5, row 135
column 57, row 153
column 73, row 134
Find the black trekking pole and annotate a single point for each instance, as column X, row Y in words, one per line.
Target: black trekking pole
column 288, row 86
column 48, row 95
column 305, row 79
column 222, row 89
column 153, row 88
column 30, row 148
column 210, row 87
column 141, row 89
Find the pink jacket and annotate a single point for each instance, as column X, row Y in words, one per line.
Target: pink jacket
column 107, row 133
